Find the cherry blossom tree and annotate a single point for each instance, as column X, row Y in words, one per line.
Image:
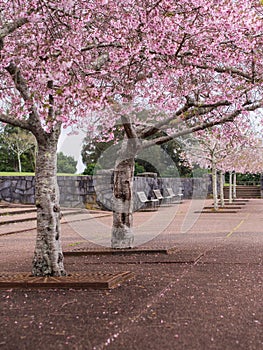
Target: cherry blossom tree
column 246, row 139
column 212, row 148
column 246, row 158
column 223, row 148
column 38, row 40
column 150, row 66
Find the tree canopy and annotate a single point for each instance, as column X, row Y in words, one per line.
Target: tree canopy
column 66, row 164
column 193, row 62
column 148, row 66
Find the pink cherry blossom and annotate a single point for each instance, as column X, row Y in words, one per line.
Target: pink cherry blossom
column 152, row 65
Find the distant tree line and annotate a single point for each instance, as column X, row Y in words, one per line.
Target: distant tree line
column 18, row 152
column 93, row 149
column 17, row 149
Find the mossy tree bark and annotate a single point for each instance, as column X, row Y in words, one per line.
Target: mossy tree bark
column 48, row 256
column 122, row 235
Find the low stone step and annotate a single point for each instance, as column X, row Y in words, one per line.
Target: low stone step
column 15, row 211
column 10, row 219
column 17, row 227
column 21, row 222
column 245, row 192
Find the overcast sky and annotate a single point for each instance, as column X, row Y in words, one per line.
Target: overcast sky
column 71, row 145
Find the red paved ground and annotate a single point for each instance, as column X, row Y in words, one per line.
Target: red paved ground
column 206, row 295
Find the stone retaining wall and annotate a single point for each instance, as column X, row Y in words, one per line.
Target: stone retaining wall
column 77, row 191
column 17, row 189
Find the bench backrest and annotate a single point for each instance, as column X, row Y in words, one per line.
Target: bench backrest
column 142, row 197
column 158, row 194
column 170, row 191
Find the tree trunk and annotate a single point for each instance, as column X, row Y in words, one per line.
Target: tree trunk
column 214, row 184
column 234, row 186
column 48, row 256
column 19, row 163
column 122, row 234
column 230, row 188
column 222, row 198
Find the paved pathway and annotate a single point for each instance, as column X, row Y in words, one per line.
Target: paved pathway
column 207, row 294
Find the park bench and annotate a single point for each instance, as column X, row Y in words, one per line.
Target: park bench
column 147, row 203
column 177, row 198
column 162, row 199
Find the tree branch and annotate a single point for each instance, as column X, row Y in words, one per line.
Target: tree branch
column 21, row 123
column 19, row 81
column 230, row 70
column 151, row 130
column 100, row 46
column 33, row 123
column 176, row 117
column 202, row 126
column 128, row 128
column 153, row 7
column 11, row 27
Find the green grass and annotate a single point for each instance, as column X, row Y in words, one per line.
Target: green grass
column 7, row 173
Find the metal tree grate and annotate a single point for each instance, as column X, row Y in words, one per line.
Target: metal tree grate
column 110, row 251
column 95, row 280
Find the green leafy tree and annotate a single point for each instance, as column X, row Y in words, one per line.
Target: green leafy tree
column 66, row 164
column 93, row 150
column 138, row 169
column 18, row 149
column 7, row 160
column 90, row 168
column 174, row 150
column 245, row 178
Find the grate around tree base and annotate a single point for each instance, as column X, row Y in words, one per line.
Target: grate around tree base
column 228, row 206
column 111, row 251
column 221, row 211
column 94, row 280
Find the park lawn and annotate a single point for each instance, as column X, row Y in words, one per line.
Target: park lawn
column 13, row 173
column 7, row 173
